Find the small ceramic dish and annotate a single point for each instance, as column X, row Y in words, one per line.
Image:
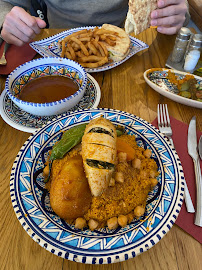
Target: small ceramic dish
column 43, row 67
column 26, row 122
column 157, row 79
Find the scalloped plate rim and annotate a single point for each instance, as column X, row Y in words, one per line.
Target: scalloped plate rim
column 108, row 255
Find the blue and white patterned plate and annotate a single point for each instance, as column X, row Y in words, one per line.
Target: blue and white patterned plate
column 157, row 79
column 24, row 121
column 49, row 47
column 31, row 201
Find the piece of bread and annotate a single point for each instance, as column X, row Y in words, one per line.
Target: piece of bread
column 138, row 16
column 121, row 49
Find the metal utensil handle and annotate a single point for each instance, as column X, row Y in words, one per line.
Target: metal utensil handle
column 187, row 197
column 198, row 216
column 1, row 40
column 188, row 201
column 6, row 47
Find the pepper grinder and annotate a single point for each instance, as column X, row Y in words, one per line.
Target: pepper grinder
column 180, row 46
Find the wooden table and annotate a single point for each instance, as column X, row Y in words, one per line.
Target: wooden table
column 122, row 88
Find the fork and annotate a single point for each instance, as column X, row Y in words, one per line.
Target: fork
column 3, row 60
column 165, row 128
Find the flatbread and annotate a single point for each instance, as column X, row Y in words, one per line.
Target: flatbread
column 138, row 16
column 121, row 49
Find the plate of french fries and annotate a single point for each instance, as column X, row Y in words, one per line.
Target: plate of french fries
column 90, row 46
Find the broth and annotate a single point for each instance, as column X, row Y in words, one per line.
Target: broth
column 48, row 89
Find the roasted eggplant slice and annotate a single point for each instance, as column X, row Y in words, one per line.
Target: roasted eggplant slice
column 99, row 153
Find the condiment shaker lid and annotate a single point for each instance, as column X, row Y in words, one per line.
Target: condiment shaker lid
column 197, row 41
column 184, row 33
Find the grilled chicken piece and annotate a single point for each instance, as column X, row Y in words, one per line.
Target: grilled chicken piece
column 99, row 154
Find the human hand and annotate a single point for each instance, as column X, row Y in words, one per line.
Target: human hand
column 20, row 27
column 170, row 16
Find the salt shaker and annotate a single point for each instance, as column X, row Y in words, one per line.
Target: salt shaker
column 193, row 53
column 180, row 46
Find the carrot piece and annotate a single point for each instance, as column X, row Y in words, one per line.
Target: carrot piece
column 123, row 146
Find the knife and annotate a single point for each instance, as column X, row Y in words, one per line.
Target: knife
column 200, row 147
column 192, row 150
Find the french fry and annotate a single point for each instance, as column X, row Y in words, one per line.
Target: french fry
column 90, row 58
column 92, row 48
column 83, row 48
column 110, row 42
column 85, row 35
column 103, row 37
column 71, row 50
column 104, row 31
column 97, row 38
column 104, row 48
column 112, row 37
column 63, row 49
column 80, row 54
column 68, row 55
column 88, row 46
column 101, row 49
column 96, row 64
column 75, row 34
column 83, row 39
column 75, row 46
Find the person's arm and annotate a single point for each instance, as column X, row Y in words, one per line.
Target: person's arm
column 19, row 27
column 170, row 16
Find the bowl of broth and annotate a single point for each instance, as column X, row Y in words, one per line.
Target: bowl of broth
column 47, row 86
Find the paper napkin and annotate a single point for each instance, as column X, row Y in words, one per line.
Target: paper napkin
column 16, row 56
column 185, row 220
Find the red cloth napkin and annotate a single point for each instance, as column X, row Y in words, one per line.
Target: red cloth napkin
column 185, row 220
column 16, row 56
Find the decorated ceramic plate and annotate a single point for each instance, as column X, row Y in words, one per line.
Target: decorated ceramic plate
column 31, row 200
column 157, row 79
column 49, row 47
column 21, row 120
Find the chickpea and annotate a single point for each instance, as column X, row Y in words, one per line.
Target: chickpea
column 139, row 211
column 122, row 203
column 80, row 223
column 130, row 218
column 92, row 224
column 122, row 220
column 152, row 174
column 154, row 182
column 112, row 182
column 112, row 223
column 122, row 157
column 46, row 171
column 119, row 177
column 136, row 163
column 143, row 174
column 147, row 153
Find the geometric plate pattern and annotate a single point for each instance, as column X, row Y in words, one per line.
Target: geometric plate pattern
column 49, row 47
column 27, row 122
column 157, row 79
column 32, row 207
